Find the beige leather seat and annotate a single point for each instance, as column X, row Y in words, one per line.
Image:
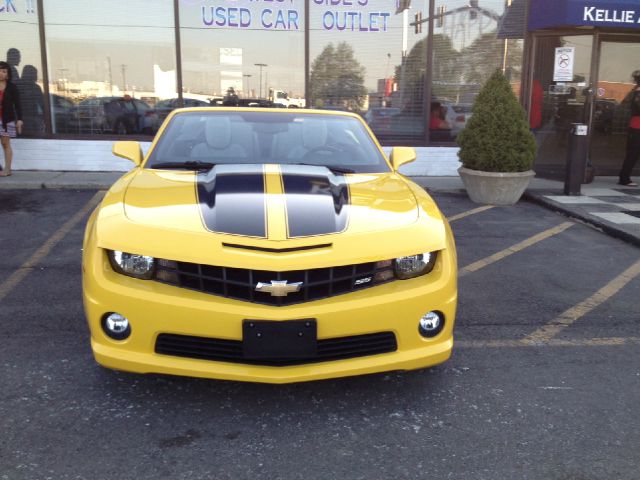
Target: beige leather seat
column 300, row 140
column 219, row 141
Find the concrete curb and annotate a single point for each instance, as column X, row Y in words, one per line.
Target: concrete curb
column 590, row 220
column 59, row 180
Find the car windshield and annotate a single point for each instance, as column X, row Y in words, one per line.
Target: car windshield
column 232, row 137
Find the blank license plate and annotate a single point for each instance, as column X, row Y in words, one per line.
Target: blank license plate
column 291, row 339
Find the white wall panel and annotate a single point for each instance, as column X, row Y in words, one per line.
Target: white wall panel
column 96, row 156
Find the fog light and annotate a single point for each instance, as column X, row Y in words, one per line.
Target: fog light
column 431, row 324
column 116, row 326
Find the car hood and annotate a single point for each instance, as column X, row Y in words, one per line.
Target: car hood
column 269, row 208
column 270, row 203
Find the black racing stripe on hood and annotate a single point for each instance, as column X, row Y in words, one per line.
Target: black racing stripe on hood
column 232, row 200
column 317, row 201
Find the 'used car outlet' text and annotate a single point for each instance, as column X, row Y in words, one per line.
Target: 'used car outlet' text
column 288, row 19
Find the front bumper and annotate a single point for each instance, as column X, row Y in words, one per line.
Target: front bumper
column 154, row 308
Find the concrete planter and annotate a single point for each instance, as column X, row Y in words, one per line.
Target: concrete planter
column 495, row 188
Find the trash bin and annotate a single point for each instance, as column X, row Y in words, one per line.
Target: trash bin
column 576, row 159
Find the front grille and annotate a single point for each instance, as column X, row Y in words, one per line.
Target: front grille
column 240, row 283
column 231, row 350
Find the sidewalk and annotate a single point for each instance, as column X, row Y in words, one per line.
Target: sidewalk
column 68, row 180
column 603, row 204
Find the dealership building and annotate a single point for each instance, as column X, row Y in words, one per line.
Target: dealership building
column 90, row 72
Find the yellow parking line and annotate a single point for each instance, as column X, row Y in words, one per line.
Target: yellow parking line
column 581, row 342
column 574, row 313
column 594, row 342
column 16, row 277
column 469, row 212
column 514, row 249
column 488, row 344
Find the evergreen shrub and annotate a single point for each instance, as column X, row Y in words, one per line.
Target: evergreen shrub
column 497, row 137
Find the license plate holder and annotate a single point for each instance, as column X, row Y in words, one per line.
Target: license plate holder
column 284, row 340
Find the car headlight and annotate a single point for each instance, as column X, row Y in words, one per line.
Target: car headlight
column 138, row 266
column 414, row 265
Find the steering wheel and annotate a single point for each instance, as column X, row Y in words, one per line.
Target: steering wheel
column 322, row 149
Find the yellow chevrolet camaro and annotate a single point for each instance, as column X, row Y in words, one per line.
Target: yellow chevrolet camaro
column 268, row 245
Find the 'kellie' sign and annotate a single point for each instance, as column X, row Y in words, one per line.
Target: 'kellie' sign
column 592, row 13
column 606, row 15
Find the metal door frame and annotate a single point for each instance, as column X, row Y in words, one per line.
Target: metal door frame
column 599, row 36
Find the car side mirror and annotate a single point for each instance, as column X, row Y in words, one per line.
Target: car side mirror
column 129, row 150
column 402, row 155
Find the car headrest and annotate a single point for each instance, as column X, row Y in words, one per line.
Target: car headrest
column 217, row 132
column 314, row 133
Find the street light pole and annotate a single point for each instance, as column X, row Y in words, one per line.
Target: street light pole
column 124, row 77
column 260, row 65
column 110, row 77
column 248, row 77
column 506, row 46
column 63, row 77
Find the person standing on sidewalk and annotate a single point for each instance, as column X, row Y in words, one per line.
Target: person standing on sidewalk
column 633, row 137
column 11, row 115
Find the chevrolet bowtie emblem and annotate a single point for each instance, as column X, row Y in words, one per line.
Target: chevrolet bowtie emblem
column 278, row 288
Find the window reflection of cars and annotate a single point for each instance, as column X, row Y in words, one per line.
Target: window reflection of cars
column 62, row 110
column 147, row 118
column 379, row 119
column 335, row 108
column 458, row 115
column 120, row 115
column 255, row 102
column 165, row 107
column 411, row 121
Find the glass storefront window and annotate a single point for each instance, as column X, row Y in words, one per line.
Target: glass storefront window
column 21, row 45
column 110, row 63
column 611, row 110
column 472, row 38
column 366, row 57
column 558, row 100
column 243, row 53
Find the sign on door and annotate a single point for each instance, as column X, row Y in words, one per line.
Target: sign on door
column 563, row 66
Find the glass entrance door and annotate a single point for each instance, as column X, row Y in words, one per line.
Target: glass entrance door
column 560, row 96
column 619, row 56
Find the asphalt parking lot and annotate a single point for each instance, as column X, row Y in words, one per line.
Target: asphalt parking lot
column 544, row 382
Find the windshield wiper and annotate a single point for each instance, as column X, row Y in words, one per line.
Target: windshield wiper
column 189, row 165
column 333, row 168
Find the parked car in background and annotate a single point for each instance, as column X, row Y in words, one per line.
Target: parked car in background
column 119, row 115
column 165, row 107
